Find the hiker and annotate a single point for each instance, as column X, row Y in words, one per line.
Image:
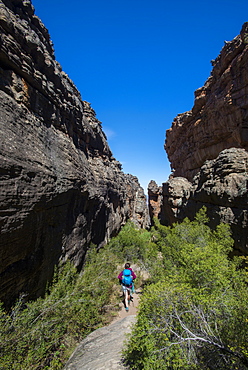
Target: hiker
column 126, row 278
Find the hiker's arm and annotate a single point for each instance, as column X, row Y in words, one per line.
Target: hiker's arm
column 133, row 275
column 120, row 276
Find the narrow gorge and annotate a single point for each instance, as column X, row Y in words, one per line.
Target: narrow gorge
column 62, row 190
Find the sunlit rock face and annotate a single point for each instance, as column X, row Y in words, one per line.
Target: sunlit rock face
column 207, row 148
column 219, row 117
column 175, row 195
column 61, row 189
column 155, row 199
column 220, row 185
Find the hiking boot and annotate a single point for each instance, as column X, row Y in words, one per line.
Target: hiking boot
column 127, row 309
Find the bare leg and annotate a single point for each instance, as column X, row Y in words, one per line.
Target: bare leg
column 129, row 296
column 126, row 298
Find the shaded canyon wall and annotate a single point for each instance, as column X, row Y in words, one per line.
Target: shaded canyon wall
column 60, row 186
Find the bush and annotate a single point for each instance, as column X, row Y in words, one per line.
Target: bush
column 193, row 315
column 132, row 244
column 43, row 333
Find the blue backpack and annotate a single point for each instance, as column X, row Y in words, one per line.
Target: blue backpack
column 127, row 278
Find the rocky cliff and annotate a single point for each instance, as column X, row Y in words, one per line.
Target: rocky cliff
column 207, row 148
column 221, row 186
column 61, row 189
column 219, row 117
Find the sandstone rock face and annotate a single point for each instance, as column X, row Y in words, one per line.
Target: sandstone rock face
column 221, row 186
column 207, row 148
column 175, row 195
column 60, row 187
column 101, row 350
column 154, row 199
column 219, row 117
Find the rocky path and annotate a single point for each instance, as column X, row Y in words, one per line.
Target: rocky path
column 101, row 350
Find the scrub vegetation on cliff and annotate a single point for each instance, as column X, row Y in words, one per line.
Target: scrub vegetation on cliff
column 192, row 315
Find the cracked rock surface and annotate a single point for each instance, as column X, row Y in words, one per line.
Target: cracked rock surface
column 101, row 350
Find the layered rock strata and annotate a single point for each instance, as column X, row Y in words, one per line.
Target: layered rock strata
column 207, row 148
column 219, row 117
column 61, row 189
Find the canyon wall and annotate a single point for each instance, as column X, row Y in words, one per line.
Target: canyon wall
column 61, row 189
column 207, row 147
column 219, row 117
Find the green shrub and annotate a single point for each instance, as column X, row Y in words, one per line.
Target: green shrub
column 131, row 244
column 194, row 314
column 43, row 333
column 193, row 311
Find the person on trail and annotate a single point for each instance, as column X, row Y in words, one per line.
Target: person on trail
column 126, row 278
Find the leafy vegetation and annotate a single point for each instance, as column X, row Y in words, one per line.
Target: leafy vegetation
column 42, row 334
column 132, row 244
column 193, row 314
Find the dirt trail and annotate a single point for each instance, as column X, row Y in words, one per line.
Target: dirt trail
column 132, row 307
column 101, row 350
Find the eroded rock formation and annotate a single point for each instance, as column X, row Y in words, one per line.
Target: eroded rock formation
column 219, row 117
column 155, row 199
column 60, row 188
column 207, row 148
column 221, row 185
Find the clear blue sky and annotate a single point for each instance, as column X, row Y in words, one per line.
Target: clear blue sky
column 138, row 62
